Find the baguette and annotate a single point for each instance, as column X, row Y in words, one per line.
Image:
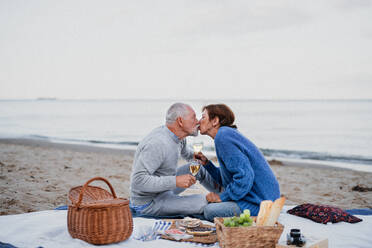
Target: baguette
column 264, row 212
column 274, row 212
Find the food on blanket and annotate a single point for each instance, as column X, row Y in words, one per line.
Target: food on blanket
column 177, row 234
column 199, row 231
column 269, row 212
column 190, row 222
column 174, row 231
column 243, row 220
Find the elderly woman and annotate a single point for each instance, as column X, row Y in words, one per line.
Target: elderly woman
column 243, row 174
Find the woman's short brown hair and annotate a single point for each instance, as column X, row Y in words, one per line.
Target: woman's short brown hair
column 223, row 112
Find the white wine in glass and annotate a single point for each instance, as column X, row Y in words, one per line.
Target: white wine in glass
column 194, row 168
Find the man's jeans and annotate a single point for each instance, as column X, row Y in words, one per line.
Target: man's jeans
column 170, row 203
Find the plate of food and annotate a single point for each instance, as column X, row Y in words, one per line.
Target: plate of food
column 190, row 222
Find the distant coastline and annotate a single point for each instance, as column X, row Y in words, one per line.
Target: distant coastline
column 46, row 98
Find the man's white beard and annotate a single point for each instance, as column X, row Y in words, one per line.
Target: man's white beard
column 195, row 132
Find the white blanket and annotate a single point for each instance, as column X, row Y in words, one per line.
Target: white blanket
column 49, row 229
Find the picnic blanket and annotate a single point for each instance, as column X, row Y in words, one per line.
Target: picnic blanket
column 49, row 229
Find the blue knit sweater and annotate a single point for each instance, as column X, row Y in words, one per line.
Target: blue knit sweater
column 244, row 173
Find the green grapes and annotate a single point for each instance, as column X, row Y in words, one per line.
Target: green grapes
column 243, row 220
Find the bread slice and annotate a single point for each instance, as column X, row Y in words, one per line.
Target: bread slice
column 264, row 212
column 274, row 212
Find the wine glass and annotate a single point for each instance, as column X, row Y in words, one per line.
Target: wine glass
column 194, row 169
column 197, row 146
column 195, row 164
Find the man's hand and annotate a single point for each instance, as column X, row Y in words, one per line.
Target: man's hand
column 213, row 197
column 185, row 181
column 200, row 156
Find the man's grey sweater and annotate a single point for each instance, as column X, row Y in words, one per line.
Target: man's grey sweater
column 155, row 165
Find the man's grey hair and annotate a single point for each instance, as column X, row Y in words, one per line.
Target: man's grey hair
column 176, row 110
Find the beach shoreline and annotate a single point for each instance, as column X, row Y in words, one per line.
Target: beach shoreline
column 130, row 150
column 37, row 175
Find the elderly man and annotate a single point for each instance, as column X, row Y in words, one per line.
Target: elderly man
column 155, row 180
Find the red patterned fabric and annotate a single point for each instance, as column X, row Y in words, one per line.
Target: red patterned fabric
column 323, row 213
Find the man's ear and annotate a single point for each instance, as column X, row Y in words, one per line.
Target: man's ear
column 216, row 121
column 179, row 121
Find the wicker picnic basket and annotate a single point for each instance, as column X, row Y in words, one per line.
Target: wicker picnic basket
column 247, row 237
column 96, row 216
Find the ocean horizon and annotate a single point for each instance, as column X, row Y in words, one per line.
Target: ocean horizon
column 335, row 130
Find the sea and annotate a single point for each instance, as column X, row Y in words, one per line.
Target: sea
column 318, row 130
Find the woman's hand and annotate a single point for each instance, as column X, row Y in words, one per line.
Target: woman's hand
column 213, row 197
column 200, row 156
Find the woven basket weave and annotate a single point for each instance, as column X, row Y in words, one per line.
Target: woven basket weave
column 247, row 237
column 98, row 217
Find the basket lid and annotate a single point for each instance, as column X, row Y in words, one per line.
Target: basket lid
column 87, row 195
column 91, row 194
column 114, row 202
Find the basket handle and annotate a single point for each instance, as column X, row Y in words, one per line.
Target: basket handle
column 219, row 227
column 86, row 185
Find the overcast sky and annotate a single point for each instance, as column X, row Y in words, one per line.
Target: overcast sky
column 186, row 49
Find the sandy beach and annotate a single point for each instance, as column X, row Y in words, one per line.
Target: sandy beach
column 37, row 175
